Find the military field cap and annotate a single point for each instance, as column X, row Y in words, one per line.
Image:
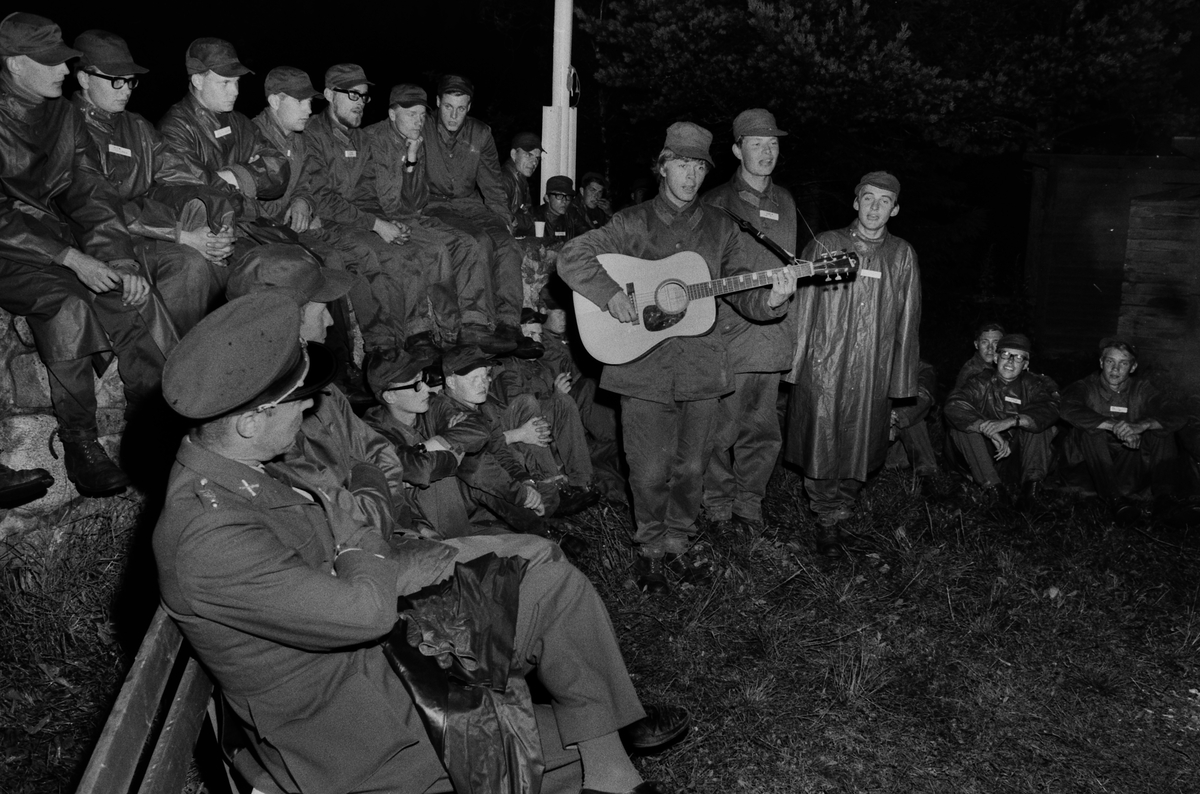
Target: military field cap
column 1011, row 341
column 1120, row 343
column 756, row 122
column 290, row 267
column 983, row 329
column 689, row 140
column 592, row 176
column 345, row 75
column 106, row 52
column 291, row 81
column 527, row 141
column 463, row 359
column 391, row 367
column 36, row 37
column 560, row 184
column 214, row 55
column 455, row 84
column 407, row 95
column 880, row 179
column 244, row 356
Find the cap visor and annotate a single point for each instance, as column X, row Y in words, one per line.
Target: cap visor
column 60, row 53
column 337, row 284
column 234, row 69
column 322, row 368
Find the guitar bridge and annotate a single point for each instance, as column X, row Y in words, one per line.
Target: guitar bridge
column 631, row 293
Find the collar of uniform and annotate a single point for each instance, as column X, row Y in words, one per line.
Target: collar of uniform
column 238, row 478
column 274, row 131
column 748, row 194
column 92, row 112
column 853, row 232
column 17, row 101
column 203, row 112
column 381, row 418
column 668, row 212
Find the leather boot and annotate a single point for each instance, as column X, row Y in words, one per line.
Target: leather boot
column 526, row 347
column 19, row 486
column 91, row 470
column 485, row 340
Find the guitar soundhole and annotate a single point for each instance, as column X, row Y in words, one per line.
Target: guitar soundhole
column 670, row 305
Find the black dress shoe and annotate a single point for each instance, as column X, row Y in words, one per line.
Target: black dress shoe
column 660, row 728
column 574, row 499
column 91, row 470
column 646, row 787
column 689, row 569
column 422, row 346
column 525, row 347
column 829, row 542
column 651, row 575
column 485, row 340
column 19, row 486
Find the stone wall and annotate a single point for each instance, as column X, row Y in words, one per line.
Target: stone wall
column 27, row 424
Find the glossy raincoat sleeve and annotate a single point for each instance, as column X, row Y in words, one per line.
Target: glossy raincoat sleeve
column 1042, row 402
column 964, row 406
column 93, row 203
column 906, row 345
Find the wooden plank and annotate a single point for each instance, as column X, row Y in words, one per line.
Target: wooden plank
column 115, row 759
column 172, row 756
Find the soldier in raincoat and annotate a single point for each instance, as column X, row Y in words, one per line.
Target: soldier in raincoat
column 857, row 349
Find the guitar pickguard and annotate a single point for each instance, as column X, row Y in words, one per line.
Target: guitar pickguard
column 655, row 319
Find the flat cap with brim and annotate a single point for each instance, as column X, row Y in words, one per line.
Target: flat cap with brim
column 983, row 329
column 35, row 37
column 345, row 76
column 214, row 55
column 593, row 176
column 407, row 95
column 455, row 84
column 288, row 266
column 245, row 356
column 106, row 52
column 756, row 122
column 1014, row 342
column 527, row 141
column 391, row 367
column 560, row 184
column 463, row 359
column 689, row 140
column 291, row 81
column 879, row 179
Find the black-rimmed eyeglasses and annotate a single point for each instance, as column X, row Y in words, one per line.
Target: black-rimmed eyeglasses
column 355, row 96
column 117, row 82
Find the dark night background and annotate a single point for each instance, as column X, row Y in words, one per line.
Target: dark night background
column 965, row 201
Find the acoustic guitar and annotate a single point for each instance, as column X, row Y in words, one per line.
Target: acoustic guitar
column 676, row 297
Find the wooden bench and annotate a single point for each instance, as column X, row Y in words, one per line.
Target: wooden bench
column 164, row 706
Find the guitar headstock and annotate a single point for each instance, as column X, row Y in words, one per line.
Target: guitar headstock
column 835, row 265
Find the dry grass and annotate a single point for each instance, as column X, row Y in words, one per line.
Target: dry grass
column 968, row 648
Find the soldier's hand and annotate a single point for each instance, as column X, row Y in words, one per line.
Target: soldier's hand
column 298, row 216
column 405, row 232
column 621, row 309
column 387, row 230
column 533, row 500
column 95, row 275
column 135, row 289
column 1003, row 450
column 562, row 382
column 783, row 284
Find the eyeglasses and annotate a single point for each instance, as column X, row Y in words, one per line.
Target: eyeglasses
column 117, row 82
column 414, row 386
column 559, row 195
column 355, row 96
column 1020, row 358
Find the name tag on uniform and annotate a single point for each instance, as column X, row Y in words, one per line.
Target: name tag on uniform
column 560, row 234
column 771, row 216
column 221, row 133
column 351, row 153
column 288, row 153
column 871, row 273
column 112, row 147
column 1118, row 409
column 1011, row 399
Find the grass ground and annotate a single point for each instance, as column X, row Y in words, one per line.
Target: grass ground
column 966, row 648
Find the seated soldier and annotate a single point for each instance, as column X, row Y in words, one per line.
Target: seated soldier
column 67, row 260
column 1122, row 436
column 186, row 257
column 284, row 593
column 555, row 212
column 909, row 433
column 518, row 169
column 591, row 209
column 986, row 338
column 1013, row 409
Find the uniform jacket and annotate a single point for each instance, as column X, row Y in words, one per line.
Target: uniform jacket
column 293, row 146
column 856, row 347
column 400, row 193
column 464, row 166
column 336, row 174
column 970, row 368
column 246, row 567
column 582, row 218
column 488, row 464
column 758, row 346
column 214, row 142
column 520, row 200
column 136, row 160
column 559, row 228
column 682, row 369
column 986, row 396
column 55, row 194
column 1089, row 402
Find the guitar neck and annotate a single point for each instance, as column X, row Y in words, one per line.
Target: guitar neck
column 745, row 281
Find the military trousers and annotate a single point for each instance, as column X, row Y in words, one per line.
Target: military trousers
column 495, row 291
column 1028, row 461
column 746, row 445
column 1111, row 469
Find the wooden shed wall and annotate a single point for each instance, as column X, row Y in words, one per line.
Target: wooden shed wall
column 1079, row 219
column 1160, row 293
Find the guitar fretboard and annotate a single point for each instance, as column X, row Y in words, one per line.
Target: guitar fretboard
column 745, row 281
